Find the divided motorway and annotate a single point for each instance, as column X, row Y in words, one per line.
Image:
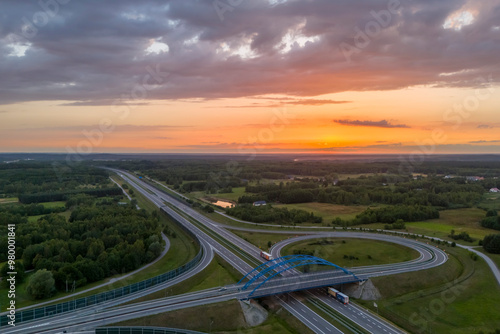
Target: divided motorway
column 430, row 257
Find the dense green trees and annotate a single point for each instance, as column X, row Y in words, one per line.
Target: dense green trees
column 492, row 220
column 30, row 210
column 45, row 177
column 41, row 284
column 491, row 243
column 64, row 195
column 96, row 242
column 269, row 214
column 367, row 190
column 461, row 236
column 20, row 274
column 391, row 214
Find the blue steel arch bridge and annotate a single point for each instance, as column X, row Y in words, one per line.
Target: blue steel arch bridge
column 280, row 276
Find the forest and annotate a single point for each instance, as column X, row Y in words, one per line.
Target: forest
column 92, row 235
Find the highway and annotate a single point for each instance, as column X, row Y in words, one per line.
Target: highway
column 93, row 317
column 422, row 263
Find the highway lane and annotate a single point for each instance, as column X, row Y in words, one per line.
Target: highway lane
column 85, row 319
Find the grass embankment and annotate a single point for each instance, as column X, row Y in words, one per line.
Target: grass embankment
column 348, row 252
column 460, row 296
column 494, row 257
column 217, row 273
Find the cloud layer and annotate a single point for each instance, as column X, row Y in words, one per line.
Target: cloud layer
column 378, row 124
column 97, row 52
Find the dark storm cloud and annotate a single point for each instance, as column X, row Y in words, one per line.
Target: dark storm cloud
column 93, row 52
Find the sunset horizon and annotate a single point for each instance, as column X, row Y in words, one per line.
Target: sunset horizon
column 370, row 79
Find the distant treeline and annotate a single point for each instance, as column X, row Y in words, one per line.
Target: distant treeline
column 452, row 193
column 391, row 214
column 64, row 195
column 42, row 177
column 176, row 170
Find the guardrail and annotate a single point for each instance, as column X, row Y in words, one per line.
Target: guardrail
column 73, row 305
column 143, row 330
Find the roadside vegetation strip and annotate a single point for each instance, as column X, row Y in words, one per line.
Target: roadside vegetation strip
column 336, row 319
column 33, row 314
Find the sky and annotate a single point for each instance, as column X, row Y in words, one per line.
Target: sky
column 250, row 76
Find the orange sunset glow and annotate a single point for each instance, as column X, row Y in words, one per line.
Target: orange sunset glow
column 263, row 76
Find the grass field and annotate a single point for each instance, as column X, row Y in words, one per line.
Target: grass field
column 237, row 193
column 491, row 201
column 494, row 257
column 52, row 205
column 262, row 240
column 459, row 297
column 460, row 220
column 9, row 200
column 361, row 252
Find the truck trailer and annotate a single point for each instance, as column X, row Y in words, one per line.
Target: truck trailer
column 266, row 256
column 343, row 298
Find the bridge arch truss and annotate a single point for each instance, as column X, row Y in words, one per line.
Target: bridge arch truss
column 282, row 266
